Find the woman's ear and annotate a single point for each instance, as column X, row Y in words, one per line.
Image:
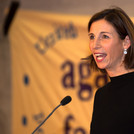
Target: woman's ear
column 127, row 42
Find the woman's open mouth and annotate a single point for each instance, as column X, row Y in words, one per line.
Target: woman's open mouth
column 100, row 56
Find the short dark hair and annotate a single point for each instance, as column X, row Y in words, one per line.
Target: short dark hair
column 123, row 26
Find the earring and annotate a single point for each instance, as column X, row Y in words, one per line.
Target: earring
column 125, row 51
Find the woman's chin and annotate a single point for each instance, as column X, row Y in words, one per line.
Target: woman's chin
column 101, row 67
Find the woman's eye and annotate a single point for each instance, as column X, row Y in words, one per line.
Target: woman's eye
column 105, row 36
column 91, row 37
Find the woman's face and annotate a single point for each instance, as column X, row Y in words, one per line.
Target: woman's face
column 106, row 46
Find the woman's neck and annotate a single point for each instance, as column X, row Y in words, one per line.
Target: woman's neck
column 117, row 72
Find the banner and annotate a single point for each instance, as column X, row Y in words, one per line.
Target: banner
column 46, row 52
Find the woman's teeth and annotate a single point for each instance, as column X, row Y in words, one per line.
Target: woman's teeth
column 100, row 56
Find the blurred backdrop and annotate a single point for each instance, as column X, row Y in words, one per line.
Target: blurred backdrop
column 41, row 46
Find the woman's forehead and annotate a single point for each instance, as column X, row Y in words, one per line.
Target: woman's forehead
column 101, row 26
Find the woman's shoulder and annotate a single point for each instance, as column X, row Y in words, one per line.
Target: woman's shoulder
column 103, row 89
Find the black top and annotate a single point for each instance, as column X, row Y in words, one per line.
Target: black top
column 113, row 111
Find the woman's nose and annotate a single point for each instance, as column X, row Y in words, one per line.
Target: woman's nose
column 96, row 43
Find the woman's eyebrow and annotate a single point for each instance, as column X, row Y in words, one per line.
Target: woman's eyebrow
column 106, row 32
column 90, row 34
column 100, row 33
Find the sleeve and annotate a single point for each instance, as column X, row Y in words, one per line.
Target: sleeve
column 95, row 110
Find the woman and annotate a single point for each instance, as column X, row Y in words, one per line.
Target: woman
column 111, row 41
